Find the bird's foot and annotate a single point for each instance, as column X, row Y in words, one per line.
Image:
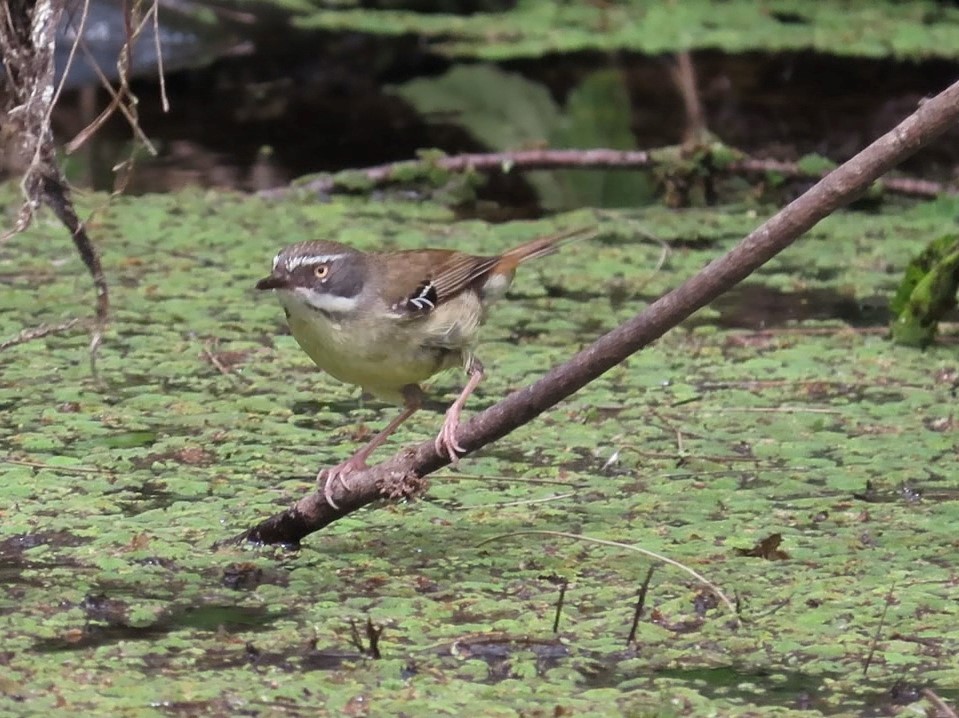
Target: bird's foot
column 328, row 477
column 446, row 443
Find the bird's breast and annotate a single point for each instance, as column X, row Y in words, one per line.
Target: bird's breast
column 380, row 354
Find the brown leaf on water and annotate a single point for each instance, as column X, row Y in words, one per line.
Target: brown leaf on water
column 767, row 548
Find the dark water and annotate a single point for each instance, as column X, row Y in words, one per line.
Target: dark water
column 264, row 103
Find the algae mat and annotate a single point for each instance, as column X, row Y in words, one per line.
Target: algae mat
column 114, row 598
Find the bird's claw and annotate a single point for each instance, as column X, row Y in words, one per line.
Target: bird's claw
column 328, row 477
column 446, row 443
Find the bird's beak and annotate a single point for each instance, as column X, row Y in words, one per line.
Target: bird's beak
column 272, row 282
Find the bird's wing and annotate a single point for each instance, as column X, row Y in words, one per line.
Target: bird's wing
column 433, row 277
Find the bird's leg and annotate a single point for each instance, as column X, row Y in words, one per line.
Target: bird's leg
column 446, row 440
column 413, row 398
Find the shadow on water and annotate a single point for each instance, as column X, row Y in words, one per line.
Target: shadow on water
column 756, row 687
column 108, row 622
column 756, row 306
column 14, row 559
column 769, row 688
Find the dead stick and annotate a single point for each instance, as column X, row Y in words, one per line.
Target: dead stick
column 486, row 162
column 599, row 158
column 839, row 187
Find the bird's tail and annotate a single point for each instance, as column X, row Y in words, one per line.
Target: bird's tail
column 542, row 246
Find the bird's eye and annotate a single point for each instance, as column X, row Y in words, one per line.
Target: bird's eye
column 321, row 270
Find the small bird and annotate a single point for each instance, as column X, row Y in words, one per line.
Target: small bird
column 386, row 321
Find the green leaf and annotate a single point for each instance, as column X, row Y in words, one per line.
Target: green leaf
column 598, row 114
column 506, row 112
column 815, row 164
column 500, row 109
column 927, row 291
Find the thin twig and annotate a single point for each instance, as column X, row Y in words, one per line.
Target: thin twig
column 782, row 383
column 44, row 330
column 211, row 357
column 59, row 469
column 771, row 410
column 499, row 478
column 670, row 455
column 640, row 604
column 214, row 360
column 155, row 11
column 628, row 547
column 79, row 29
column 943, row 710
column 882, row 623
column 559, row 604
column 684, row 77
column 117, row 97
column 676, row 431
column 524, row 502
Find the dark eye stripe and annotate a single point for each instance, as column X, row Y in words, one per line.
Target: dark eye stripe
column 346, row 279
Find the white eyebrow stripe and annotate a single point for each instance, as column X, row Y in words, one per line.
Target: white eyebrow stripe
column 308, row 260
column 276, row 259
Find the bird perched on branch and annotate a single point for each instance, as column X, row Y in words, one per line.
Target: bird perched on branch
column 386, row 321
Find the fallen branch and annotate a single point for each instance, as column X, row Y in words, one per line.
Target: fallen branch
column 404, row 471
column 908, row 186
column 479, row 162
column 547, row 159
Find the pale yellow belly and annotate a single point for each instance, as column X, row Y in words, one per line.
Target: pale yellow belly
column 381, row 356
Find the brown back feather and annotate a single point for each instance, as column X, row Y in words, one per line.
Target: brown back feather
column 459, row 271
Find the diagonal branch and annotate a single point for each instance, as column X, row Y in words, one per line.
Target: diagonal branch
column 402, row 472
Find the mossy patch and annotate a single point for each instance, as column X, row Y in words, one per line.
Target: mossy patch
column 734, row 427
column 530, row 28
